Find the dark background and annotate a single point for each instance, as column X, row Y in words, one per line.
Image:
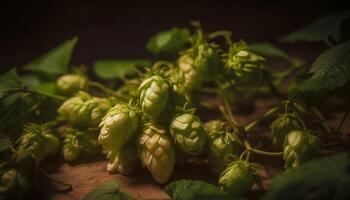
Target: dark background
column 120, row 28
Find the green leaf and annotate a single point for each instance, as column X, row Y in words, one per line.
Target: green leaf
column 268, row 50
column 319, row 30
column 323, row 178
column 330, row 71
column 5, row 143
column 8, row 81
column 55, row 61
column 196, row 190
column 168, row 42
column 111, row 69
column 30, row 80
column 107, row 191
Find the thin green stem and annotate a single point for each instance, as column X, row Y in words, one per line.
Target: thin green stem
column 229, row 111
column 223, row 111
column 249, row 148
column 207, row 105
column 105, row 89
column 266, row 153
column 27, row 90
column 225, row 34
column 346, row 114
column 208, row 90
column 322, row 119
column 267, row 114
column 54, row 96
column 69, row 186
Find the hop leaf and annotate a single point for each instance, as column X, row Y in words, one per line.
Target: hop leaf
column 56, row 61
column 154, row 95
column 70, row 84
column 112, row 69
column 168, row 42
column 238, row 177
column 194, row 190
column 157, row 152
column 319, row 30
column 324, row 178
column 330, row 71
column 119, row 125
column 300, row 147
column 107, row 191
column 188, row 133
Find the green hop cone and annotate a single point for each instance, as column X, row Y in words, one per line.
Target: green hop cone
column 284, row 124
column 123, row 161
column 70, row 84
column 71, row 149
column 188, row 133
column 154, row 95
column 157, row 152
column 246, row 65
column 191, row 76
column 214, row 128
column 70, row 152
column 119, row 125
column 300, row 147
column 78, row 143
column 37, row 142
column 239, row 177
column 221, row 148
column 13, row 185
column 198, row 64
column 84, row 110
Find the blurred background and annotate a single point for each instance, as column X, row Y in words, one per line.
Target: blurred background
column 120, row 28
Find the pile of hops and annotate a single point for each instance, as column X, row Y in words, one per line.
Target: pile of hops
column 152, row 121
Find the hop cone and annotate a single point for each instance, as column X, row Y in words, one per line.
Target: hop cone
column 223, row 146
column 84, row 110
column 214, row 129
column 77, row 143
column 119, row 125
column 154, row 95
column 123, row 161
column 246, row 65
column 188, row 133
column 12, row 184
column 157, row 152
column 238, row 177
column 69, row 84
column 199, row 63
column 299, row 147
column 38, row 142
column 283, row 125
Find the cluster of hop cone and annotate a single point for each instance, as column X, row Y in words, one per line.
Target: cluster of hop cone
column 151, row 119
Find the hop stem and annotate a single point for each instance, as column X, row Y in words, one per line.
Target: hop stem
column 320, row 116
column 105, row 89
column 342, row 121
column 267, row 114
column 249, row 148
